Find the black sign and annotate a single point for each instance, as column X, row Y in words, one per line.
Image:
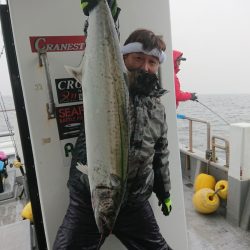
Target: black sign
column 69, row 121
column 68, row 90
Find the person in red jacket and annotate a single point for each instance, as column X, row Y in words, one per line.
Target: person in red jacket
column 180, row 95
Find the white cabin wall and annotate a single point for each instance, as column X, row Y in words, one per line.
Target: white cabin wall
column 62, row 18
column 45, row 18
column 155, row 16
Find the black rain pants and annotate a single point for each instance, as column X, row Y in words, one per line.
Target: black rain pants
column 135, row 227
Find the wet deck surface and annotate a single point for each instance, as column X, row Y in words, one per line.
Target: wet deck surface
column 10, row 209
column 10, row 212
column 15, row 233
column 16, row 236
column 211, row 232
column 205, row 232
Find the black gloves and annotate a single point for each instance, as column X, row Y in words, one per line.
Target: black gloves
column 166, row 205
column 194, row 97
column 88, row 5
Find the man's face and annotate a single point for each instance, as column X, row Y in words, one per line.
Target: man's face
column 136, row 61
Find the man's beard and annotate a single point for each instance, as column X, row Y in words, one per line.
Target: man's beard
column 142, row 83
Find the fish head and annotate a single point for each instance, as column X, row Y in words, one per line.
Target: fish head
column 106, row 202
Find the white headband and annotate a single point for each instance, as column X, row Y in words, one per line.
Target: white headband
column 138, row 48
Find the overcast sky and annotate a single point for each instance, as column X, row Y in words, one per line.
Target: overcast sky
column 214, row 37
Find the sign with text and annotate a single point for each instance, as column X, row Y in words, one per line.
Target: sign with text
column 68, row 90
column 69, row 120
column 57, row 43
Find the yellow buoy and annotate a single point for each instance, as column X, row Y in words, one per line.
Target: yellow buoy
column 223, row 186
column 206, row 201
column 204, row 181
column 27, row 212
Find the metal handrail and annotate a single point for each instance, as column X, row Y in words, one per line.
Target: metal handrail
column 6, row 134
column 226, row 148
column 7, row 110
column 43, row 61
column 191, row 120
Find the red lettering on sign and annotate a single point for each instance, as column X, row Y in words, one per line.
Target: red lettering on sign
column 74, row 112
column 57, row 43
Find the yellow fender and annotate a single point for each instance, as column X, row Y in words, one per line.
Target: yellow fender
column 27, row 212
column 204, row 181
column 205, row 201
column 223, row 186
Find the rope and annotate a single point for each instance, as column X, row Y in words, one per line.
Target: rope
column 213, row 112
column 217, row 191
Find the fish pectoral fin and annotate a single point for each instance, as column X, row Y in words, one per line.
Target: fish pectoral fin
column 82, row 168
column 76, row 72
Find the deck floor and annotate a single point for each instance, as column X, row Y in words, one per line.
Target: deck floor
column 10, row 210
column 205, row 232
column 211, row 232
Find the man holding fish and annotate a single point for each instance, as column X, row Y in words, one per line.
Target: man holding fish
column 124, row 139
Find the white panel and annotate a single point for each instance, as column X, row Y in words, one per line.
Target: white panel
column 246, row 154
column 45, row 18
column 239, row 151
column 64, row 18
column 155, row 16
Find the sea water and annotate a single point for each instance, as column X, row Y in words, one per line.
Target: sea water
column 219, row 111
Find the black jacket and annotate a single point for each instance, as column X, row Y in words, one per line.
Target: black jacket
column 148, row 155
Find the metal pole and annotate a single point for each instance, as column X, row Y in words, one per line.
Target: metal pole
column 191, row 136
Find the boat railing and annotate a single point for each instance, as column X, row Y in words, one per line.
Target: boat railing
column 210, row 154
column 10, row 132
column 224, row 147
column 6, row 133
column 7, row 110
column 190, row 134
column 6, row 143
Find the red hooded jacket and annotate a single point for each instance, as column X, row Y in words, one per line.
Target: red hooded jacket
column 180, row 95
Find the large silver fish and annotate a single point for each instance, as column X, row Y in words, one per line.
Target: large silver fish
column 105, row 98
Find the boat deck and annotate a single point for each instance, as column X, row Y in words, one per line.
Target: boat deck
column 211, row 232
column 205, row 232
column 10, row 212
